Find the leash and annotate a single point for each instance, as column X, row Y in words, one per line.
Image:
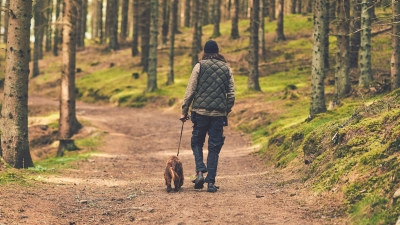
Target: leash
column 180, row 139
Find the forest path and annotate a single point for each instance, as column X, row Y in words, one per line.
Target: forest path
column 123, row 183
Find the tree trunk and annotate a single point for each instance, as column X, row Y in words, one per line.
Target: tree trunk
column 94, row 29
column 187, row 11
column 1, row 17
column 355, row 37
column 136, row 28
column 216, row 18
column 293, row 6
column 342, row 81
column 327, row 20
column 81, row 24
column 68, row 124
column 271, row 10
column 262, row 31
column 365, row 48
column 145, row 34
column 6, row 20
column 279, row 26
column 196, row 31
column 100, row 21
column 14, row 112
column 205, row 12
column 318, row 67
column 252, row 82
column 173, row 22
column 113, row 25
column 235, row 20
column 152, row 74
column 165, row 22
column 124, row 20
column 395, row 60
column 58, row 28
column 49, row 27
column 38, row 33
column 299, row 7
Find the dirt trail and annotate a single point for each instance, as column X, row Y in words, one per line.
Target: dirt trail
column 124, row 183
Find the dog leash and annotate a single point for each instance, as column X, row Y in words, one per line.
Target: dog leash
column 180, row 139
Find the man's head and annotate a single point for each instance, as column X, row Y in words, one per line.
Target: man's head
column 211, row 47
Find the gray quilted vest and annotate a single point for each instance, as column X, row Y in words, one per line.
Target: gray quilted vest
column 212, row 86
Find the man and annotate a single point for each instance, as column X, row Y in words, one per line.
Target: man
column 211, row 95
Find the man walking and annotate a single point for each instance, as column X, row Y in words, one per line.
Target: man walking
column 211, row 95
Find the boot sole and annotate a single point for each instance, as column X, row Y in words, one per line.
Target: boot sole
column 199, row 184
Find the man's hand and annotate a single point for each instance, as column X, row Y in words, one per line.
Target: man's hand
column 184, row 118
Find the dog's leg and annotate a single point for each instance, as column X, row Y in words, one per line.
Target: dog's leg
column 168, row 178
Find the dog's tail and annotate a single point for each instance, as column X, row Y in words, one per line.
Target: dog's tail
column 174, row 175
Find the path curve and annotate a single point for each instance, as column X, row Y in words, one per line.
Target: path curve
column 124, row 184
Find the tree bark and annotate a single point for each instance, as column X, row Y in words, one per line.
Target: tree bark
column 271, row 10
column 124, row 20
column 81, row 24
column 252, row 82
column 113, row 24
column 145, row 33
column 68, row 124
column 165, row 21
column 94, row 28
column 1, row 17
column 49, row 27
column 205, row 12
column 235, row 20
column 100, row 24
column 293, row 6
column 6, row 20
column 58, row 28
column 38, row 33
column 216, row 18
column 318, row 67
column 152, row 73
column 196, row 31
column 395, row 60
column 355, row 37
column 262, row 31
column 187, row 11
column 280, row 36
column 173, row 22
column 326, row 21
column 342, row 80
column 14, row 112
column 136, row 28
column 365, row 48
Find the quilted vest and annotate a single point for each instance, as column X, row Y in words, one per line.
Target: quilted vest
column 212, row 86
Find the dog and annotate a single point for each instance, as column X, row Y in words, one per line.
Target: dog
column 173, row 173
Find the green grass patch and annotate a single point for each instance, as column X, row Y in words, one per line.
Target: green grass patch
column 53, row 163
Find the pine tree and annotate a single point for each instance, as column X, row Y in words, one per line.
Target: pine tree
column 14, row 112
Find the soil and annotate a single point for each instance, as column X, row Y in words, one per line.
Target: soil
column 123, row 183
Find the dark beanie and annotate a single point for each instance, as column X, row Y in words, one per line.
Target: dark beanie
column 211, row 47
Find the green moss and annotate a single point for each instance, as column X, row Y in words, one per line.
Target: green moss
column 372, row 209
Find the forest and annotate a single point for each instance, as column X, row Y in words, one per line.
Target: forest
column 91, row 87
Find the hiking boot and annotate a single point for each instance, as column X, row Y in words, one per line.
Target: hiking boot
column 199, row 181
column 212, row 187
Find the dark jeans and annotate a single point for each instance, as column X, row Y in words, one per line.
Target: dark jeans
column 213, row 125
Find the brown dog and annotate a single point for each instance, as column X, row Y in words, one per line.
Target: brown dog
column 173, row 172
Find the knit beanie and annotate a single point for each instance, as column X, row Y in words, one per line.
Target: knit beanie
column 211, row 47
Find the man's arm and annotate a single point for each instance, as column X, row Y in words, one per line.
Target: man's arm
column 230, row 95
column 190, row 90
